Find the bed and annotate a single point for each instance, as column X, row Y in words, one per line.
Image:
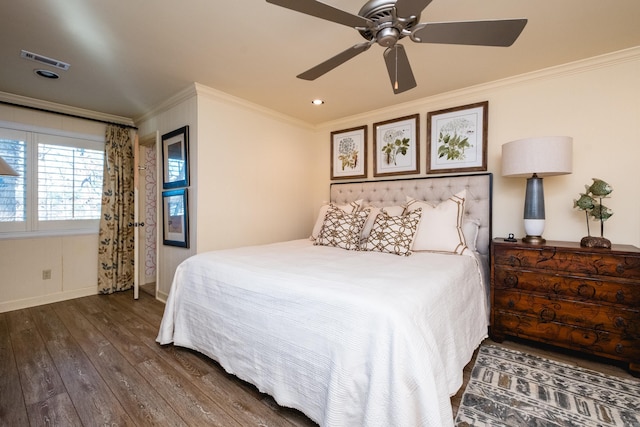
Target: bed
column 349, row 337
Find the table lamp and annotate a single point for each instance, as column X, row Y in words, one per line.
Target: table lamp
column 536, row 158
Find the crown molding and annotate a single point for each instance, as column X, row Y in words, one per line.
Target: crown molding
column 53, row 107
column 216, row 94
column 571, row 68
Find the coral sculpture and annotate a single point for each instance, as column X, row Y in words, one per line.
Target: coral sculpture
column 591, row 203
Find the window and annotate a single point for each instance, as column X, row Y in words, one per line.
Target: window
column 60, row 182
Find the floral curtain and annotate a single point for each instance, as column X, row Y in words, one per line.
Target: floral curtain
column 116, row 239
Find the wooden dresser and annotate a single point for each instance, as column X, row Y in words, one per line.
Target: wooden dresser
column 562, row 294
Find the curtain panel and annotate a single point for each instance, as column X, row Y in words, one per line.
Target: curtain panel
column 116, row 238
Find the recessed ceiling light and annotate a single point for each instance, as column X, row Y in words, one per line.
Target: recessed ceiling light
column 47, row 74
column 317, row 102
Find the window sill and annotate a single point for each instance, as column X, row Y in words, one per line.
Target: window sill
column 16, row 235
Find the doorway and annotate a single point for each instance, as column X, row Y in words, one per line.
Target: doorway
column 147, row 208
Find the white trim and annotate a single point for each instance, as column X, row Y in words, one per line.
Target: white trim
column 576, row 67
column 47, row 299
column 197, row 89
column 51, row 131
column 15, row 235
column 65, row 109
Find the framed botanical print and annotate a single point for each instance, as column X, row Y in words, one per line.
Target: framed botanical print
column 457, row 139
column 396, row 146
column 349, row 153
column 175, row 158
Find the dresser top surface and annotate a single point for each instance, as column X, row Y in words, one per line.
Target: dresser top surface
column 568, row 245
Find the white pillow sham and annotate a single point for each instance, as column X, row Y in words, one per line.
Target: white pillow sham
column 471, row 229
column 440, row 229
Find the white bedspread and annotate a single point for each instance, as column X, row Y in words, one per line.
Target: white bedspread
column 349, row 338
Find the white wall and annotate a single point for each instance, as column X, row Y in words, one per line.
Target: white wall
column 594, row 101
column 73, row 260
column 255, row 171
column 175, row 113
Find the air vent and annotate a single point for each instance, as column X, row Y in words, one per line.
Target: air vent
column 44, row 60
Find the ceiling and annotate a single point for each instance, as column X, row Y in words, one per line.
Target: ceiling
column 127, row 57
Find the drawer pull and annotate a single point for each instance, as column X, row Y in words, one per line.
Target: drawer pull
column 511, row 281
column 620, row 296
column 619, row 268
column 586, row 291
column 619, row 348
column 511, row 304
column 620, row 323
column 513, row 261
column 547, row 315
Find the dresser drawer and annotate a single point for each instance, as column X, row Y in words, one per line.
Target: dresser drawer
column 598, row 342
column 578, row 288
column 599, row 263
column 586, row 315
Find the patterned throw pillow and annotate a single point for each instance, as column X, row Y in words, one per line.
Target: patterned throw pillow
column 348, row 208
column 394, row 234
column 341, row 229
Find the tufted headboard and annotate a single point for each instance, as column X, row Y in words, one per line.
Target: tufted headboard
column 435, row 190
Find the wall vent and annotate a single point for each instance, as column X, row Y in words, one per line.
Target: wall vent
column 44, row 60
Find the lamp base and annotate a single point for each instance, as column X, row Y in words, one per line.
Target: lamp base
column 534, row 240
column 534, row 229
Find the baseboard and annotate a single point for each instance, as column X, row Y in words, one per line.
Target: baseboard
column 161, row 296
column 47, row 299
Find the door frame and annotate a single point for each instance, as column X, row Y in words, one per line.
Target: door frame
column 139, row 273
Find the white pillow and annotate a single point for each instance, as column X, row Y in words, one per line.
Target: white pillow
column 440, row 229
column 470, row 229
column 349, row 208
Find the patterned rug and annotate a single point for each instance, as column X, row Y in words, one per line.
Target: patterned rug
column 510, row 388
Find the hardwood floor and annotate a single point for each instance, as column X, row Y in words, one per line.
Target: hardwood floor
column 94, row 361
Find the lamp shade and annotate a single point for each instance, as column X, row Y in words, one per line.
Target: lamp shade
column 544, row 156
column 5, row 169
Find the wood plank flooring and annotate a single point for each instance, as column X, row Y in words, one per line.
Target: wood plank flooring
column 94, row 361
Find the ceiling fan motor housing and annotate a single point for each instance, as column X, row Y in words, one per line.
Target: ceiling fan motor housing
column 388, row 27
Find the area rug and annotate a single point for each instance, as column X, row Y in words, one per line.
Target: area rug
column 510, row 388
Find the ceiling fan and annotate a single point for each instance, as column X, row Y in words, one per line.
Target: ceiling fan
column 387, row 21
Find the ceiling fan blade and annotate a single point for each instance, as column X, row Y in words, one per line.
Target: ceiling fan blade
column 323, row 11
column 331, row 63
column 408, row 8
column 480, row 33
column 399, row 69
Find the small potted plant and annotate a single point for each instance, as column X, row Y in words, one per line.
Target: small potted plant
column 591, row 203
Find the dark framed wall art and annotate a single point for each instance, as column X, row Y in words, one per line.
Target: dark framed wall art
column 175, row 218
column 175, row 158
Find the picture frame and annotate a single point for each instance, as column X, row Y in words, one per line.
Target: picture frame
column 396, row 146
column 175, row 218
column 457, row 139
column 349, row 153
column 175, row 158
